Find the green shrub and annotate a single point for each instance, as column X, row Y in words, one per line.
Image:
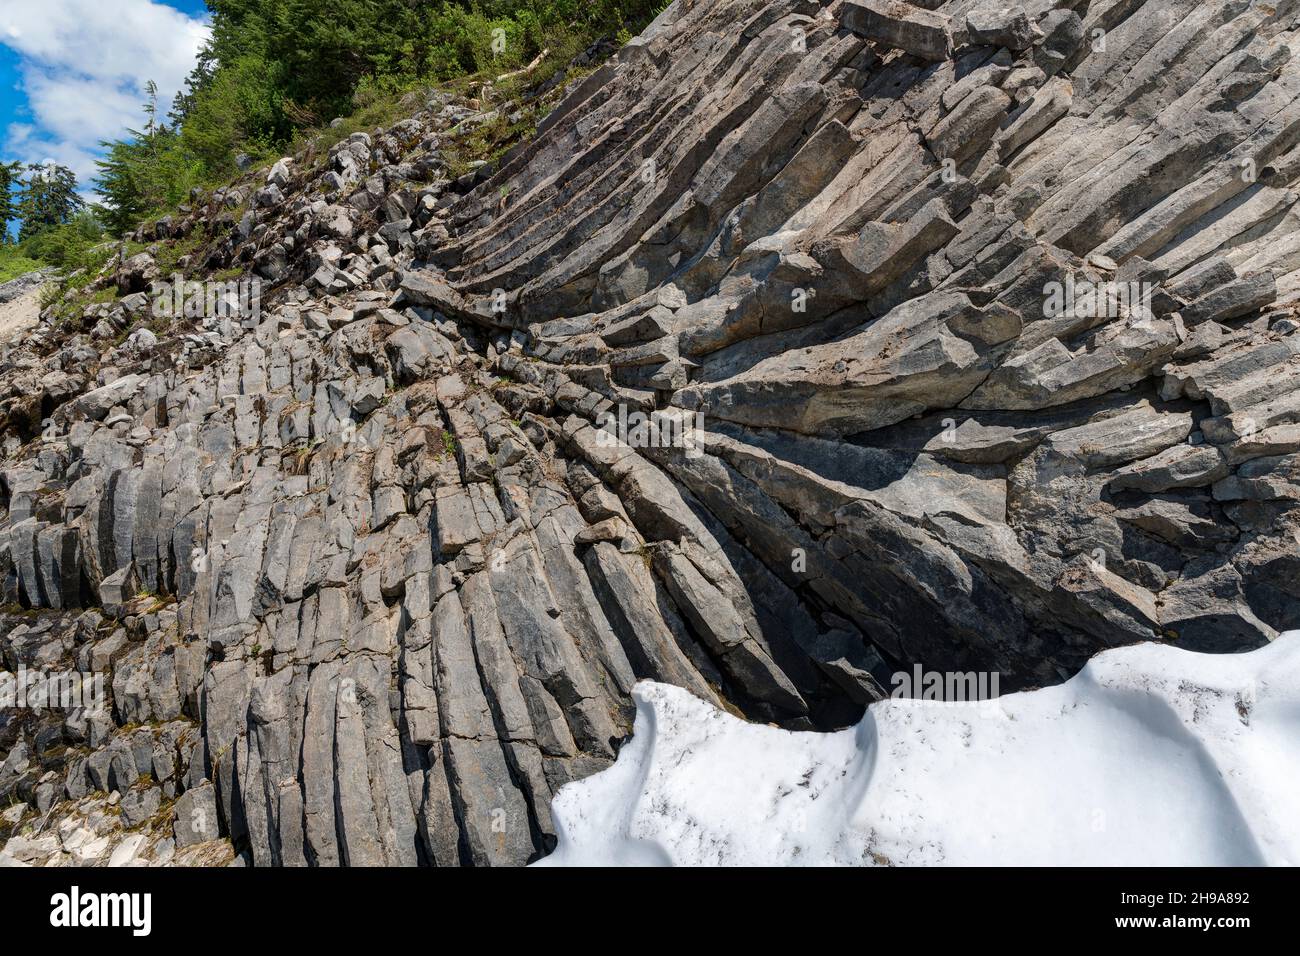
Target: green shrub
column 14, row 264
column 67, row 247
column 274, row 69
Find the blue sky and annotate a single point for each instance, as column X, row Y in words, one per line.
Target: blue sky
column 72, row 72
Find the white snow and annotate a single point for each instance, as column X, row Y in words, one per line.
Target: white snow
column 1151, row 755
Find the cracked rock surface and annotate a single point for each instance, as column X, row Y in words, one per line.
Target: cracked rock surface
column 989, row 316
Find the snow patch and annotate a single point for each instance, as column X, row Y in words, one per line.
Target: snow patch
column 1151, row 755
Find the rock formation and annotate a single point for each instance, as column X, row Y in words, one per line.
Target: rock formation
column 988, row 315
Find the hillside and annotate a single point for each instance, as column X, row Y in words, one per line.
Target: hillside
column 972, row 331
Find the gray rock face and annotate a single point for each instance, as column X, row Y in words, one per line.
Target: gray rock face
column 196, row 816
column 139, row 805
column 993, row 24
column 24, row 284
column 801, row 346
column 900, row 25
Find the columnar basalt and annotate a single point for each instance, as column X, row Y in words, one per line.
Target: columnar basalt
column 369, row 580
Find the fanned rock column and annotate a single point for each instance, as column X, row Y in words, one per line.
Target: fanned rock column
column 988, row 316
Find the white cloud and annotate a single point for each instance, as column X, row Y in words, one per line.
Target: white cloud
column 84, row 65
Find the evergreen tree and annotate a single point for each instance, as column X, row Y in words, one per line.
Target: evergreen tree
column 199, row 80
column 49, row 199
column 120, row 182
column 9, row 185
column 144, row 173
column 272, row 67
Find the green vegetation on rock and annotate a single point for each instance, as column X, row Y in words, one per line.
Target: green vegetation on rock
column 276, row 71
